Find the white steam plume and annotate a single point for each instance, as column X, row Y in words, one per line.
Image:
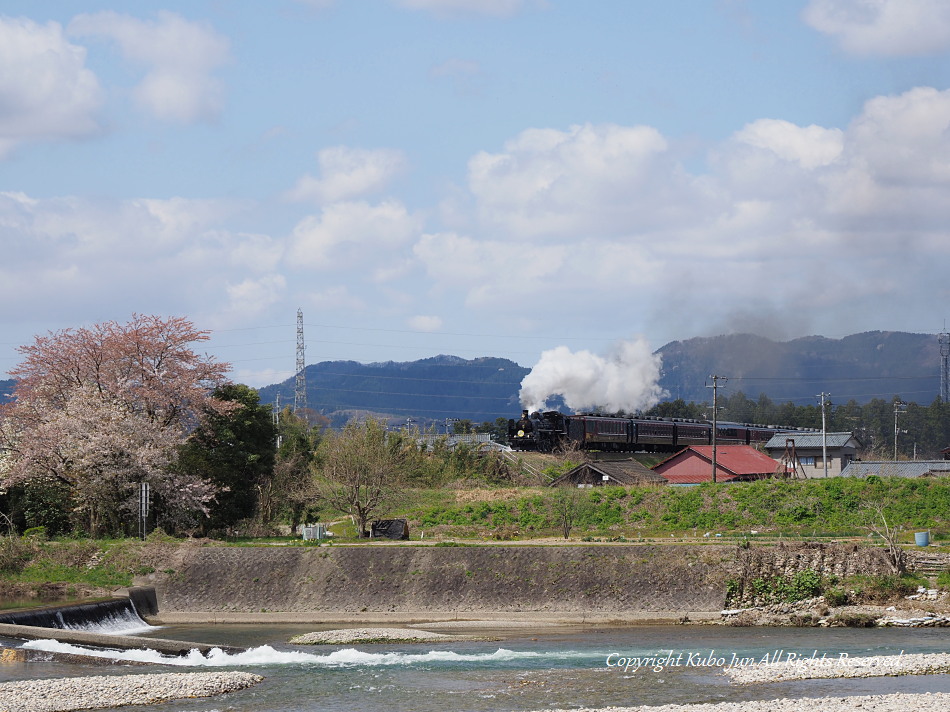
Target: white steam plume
column 625, row 380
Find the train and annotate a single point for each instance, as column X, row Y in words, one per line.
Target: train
column 552, row 430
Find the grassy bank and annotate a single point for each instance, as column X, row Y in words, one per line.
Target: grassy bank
column 36, row 570
column 32, row 567
column 811, row 509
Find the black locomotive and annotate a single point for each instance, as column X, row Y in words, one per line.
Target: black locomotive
column 551, row 430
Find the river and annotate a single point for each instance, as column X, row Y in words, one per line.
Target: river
column 526, row 670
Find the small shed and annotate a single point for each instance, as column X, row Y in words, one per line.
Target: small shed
column 693, row 465
column 842, row 448
column 389, row 529
column 608, row 473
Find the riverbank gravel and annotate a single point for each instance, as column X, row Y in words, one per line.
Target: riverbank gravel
column 812, row 668
column 864, row 703
column 353, row 636
column 105, row 691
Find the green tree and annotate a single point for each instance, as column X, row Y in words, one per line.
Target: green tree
column 290, row 493
column 359, row 471
column 235, row 450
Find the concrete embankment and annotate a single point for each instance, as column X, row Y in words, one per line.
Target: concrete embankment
column 623, row 582
column 568, row 582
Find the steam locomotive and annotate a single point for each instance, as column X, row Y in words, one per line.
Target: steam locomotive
column 550, row 430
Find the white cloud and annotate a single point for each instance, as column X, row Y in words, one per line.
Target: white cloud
column 490, row 272
column 884, row 27
column 333, row 298
column 77, row 257
column 424, row 323
column 589, row 179
column 348, row 173
column 606, row 221
column 46, row 91
column 253, row 297
column 352, row 235
column 810, row 147
column 180, row 57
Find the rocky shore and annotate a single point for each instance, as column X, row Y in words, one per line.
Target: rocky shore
column 839, row 666
column 107, row 691
column 917, row 611
column 865, row 703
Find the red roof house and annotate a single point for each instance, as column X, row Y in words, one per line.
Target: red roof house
column 733, row 463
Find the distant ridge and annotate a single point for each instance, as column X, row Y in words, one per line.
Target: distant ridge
column 861, row 367
column 6, row 388
column 434, row 388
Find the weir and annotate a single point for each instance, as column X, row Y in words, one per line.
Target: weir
column 113, row 616
column 99, row 624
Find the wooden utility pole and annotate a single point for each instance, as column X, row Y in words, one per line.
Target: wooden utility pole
column 715, row 427
column 824, row 432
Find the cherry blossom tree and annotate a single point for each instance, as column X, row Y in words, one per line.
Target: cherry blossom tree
column 106, row 408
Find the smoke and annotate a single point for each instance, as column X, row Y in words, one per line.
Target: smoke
column 627, row 379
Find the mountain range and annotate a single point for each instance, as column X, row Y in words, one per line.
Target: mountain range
column 861, row 367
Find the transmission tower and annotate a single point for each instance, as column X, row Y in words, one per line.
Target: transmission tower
column 300, row 384
column 944, row 341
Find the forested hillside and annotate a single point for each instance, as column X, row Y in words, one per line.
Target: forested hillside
column 861, row 367
column 435, row 388
column 6, row 389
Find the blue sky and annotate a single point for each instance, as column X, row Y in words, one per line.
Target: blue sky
column 473, row 177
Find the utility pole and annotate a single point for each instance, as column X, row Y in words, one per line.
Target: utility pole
column 824, row 432
column 944, row 341
column 899, row 407
column 144, row 497
column 715, row 427
column 300, row 382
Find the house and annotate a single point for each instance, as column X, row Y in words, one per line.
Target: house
column 900, row 468
column 733, row 463
column 806, row 448
column 608, row 473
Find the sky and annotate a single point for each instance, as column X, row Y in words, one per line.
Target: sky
column 473, row 177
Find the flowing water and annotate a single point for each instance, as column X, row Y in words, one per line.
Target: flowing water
column 535, row 670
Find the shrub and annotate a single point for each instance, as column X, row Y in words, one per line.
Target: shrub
column 885, row 588
column 853, row 620
column 836, row 597
column 15, row 553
